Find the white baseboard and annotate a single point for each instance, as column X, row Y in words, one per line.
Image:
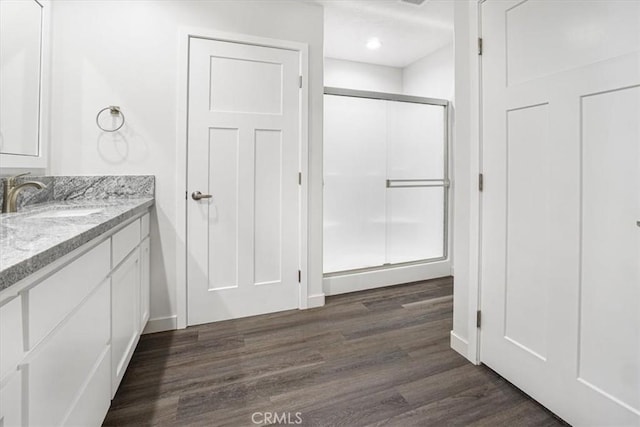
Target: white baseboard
column 459, row 344
column 160, row 324
column 360, row 281
column 314, row 301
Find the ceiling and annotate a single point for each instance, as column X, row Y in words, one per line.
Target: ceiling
column 407, row 32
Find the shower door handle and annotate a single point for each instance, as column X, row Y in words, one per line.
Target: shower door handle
column 196, row 195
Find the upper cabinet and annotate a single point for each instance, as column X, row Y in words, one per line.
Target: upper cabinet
column 23, row 71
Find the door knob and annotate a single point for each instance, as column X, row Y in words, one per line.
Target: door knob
column 196, row 195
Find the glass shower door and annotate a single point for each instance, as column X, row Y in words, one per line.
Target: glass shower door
column 415, row 182
column 385, row 186
column 354, row 183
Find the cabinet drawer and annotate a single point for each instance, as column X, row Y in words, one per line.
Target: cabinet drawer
column 11, row 401
column 144, row 226
column 124, row 241
column 64, row 362
column 58, row 295
column 11, row 336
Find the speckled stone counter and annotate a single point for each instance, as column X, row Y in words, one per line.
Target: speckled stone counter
column 29, row 241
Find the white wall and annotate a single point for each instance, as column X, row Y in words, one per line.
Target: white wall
column 126, row 53
column 361, row 76
column 431, row 76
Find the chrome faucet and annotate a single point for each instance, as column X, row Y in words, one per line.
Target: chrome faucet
column 11, row 191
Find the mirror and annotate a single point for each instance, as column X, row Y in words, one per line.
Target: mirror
column 21, row 83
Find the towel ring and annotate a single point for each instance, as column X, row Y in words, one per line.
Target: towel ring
column 115, row 111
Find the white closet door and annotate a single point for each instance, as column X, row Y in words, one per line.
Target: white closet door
column 561, row 201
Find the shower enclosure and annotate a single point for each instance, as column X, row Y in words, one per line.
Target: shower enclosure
column 385, row 182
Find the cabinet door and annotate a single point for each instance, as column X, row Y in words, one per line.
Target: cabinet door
column 145, row 282
column 93, row 402
column 125, row 316
column 60, row 367
column 11, row 336
column 11, row 398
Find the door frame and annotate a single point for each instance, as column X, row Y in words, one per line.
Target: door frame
column 475, row 294
column 467, row 166
column 185, row 34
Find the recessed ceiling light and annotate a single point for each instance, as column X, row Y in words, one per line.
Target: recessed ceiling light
column 373, row 43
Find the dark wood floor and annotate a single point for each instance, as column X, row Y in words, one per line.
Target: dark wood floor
column 373, row 358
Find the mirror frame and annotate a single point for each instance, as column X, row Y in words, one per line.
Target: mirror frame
column 40, row 162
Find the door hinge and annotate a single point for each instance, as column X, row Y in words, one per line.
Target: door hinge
column 299, row 178
column 479, row 45
column 186, row 195
column 481, row 182
column 300, row 82
column 299, row 276
column 478, row 318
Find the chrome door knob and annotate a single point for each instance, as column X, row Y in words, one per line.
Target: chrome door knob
column 196, row 195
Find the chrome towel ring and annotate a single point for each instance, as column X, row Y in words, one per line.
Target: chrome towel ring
column 115, row 111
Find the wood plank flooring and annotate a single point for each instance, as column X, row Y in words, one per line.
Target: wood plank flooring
column 372, row 358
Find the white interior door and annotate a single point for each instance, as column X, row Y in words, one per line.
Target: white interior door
column 244, row 151
column 561, row 201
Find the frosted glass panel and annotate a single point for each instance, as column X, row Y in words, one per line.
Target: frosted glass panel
column 415, row 226
column 415, row 147
column 354, row 183
column 368, row 221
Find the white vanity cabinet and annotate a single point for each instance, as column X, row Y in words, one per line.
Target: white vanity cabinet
column 67, row 333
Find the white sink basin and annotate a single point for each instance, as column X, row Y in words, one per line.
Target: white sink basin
column 66, row 213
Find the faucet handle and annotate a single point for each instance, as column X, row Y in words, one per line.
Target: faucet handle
column 12, row 179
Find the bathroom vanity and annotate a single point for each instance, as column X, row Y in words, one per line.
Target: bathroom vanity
column 74, row 299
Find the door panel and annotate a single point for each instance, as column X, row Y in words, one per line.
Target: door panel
column 529, row 214
column 245, row 86
column 222, row 214
column 244, row 151
column 560, row 243
column 572, row 35
column 610, row 267
column 268, row 204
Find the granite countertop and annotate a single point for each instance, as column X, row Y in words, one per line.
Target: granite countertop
column 29, row 241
